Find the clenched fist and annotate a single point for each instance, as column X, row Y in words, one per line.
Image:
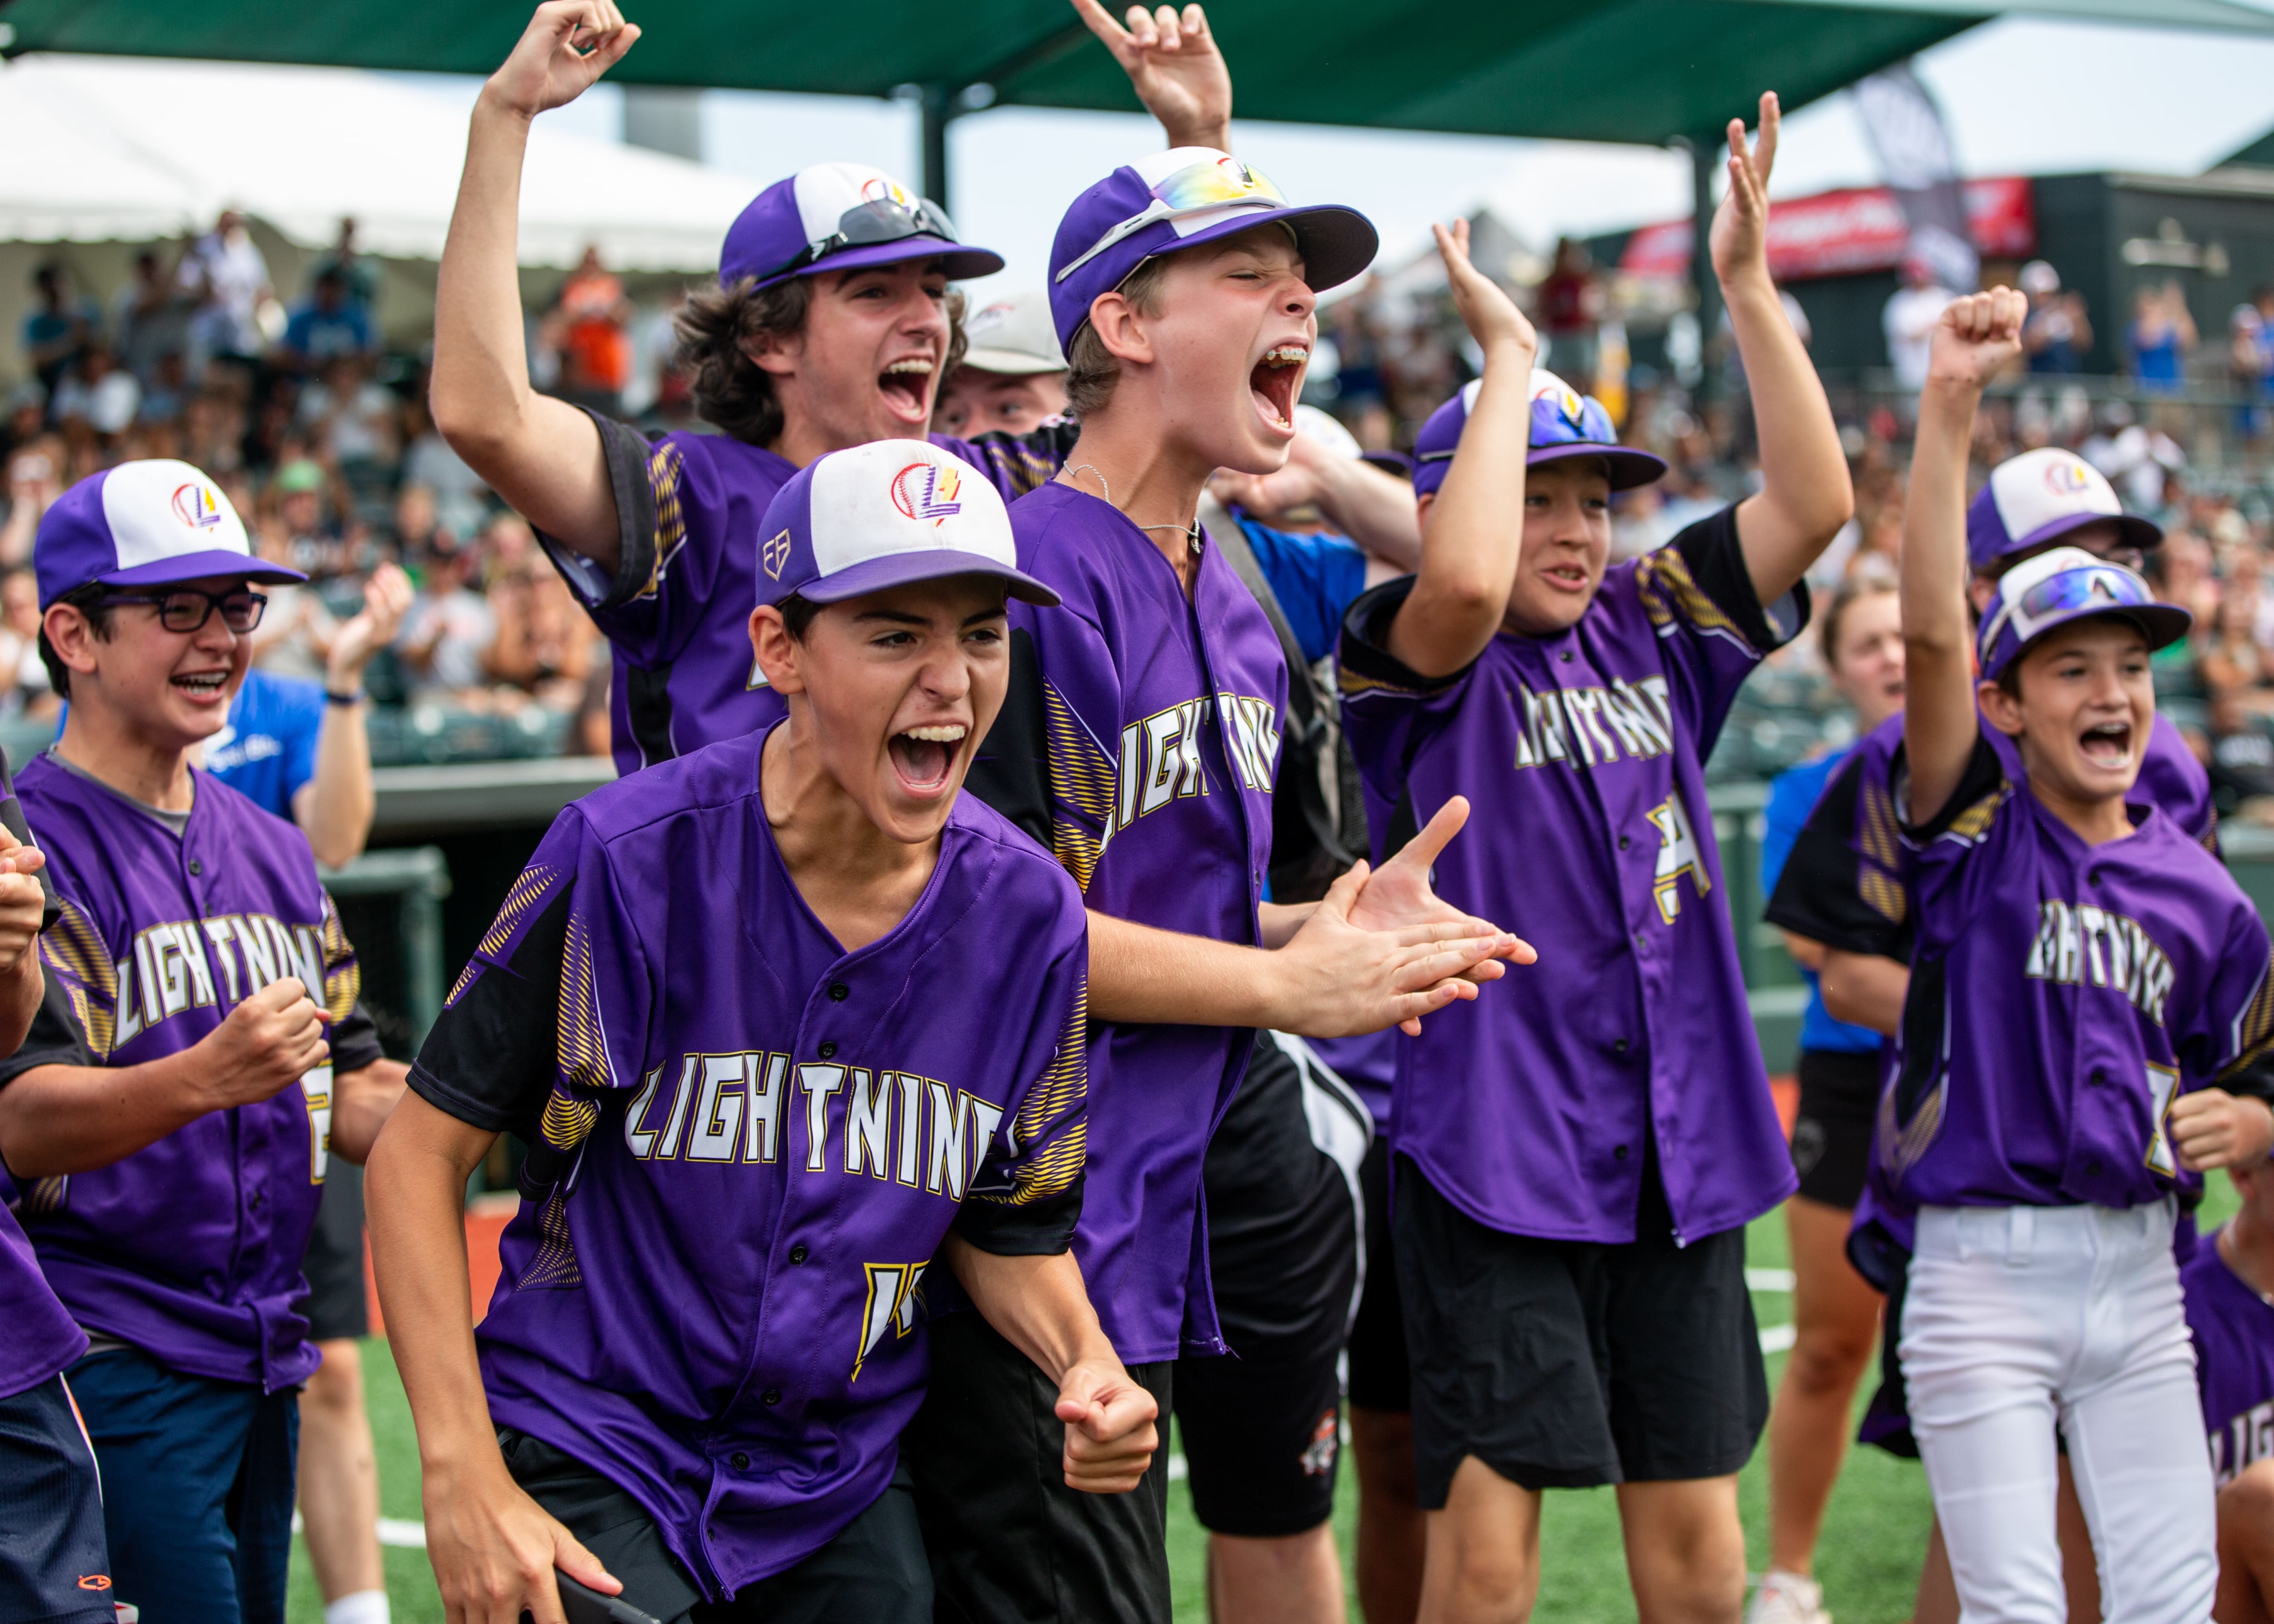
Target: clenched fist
column 264, row 1046
column 21, row 901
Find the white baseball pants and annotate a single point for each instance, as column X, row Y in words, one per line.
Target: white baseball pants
column 2015, row 1318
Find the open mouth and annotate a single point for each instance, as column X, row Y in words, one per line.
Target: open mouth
column 2108, row 745
column 1565, row 577
column 1274, row 381
column 200, row 684
column 907, row 384
column 925, row 756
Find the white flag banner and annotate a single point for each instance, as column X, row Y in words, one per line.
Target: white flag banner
column 1906, row 132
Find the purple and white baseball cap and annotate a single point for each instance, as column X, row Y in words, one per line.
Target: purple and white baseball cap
column 152, row 522
column 883, row 514
column 1565, row 424
column 839, row 217
column 1180, row 198
column 2039, row 496
column 2067, row 584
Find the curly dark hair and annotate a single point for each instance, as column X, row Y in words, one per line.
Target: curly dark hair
column 715, row 329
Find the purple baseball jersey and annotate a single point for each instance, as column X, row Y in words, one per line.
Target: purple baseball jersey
column 747, row 1145
column 2233, row 1328
column 2061, row 995
column 42, row 1338
column 677, row 611
column 1138, row 742
column 1535, row 1108
column 189, row 1249
column 1844, row 885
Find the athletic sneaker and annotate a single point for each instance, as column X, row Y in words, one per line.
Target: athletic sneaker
column 1788, row 1598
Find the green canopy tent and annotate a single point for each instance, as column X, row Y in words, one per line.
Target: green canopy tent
column 1651, row 71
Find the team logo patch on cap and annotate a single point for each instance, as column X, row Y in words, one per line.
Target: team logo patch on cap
column 884, row 189
column 195, row 505
column 774, row 554
column 926, row 491
column 2065, row 476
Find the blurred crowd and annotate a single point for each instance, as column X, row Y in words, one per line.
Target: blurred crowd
column 320, row 436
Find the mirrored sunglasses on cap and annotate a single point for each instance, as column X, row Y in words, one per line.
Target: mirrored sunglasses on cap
column 867, row 225
column 2095, row 589
column 1216, row 183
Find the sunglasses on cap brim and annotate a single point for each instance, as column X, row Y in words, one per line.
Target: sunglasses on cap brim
column 1196, row 189
column 2103, row 587
column 868, row 226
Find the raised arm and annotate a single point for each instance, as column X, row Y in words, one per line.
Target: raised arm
column 335, row 806
column 1804, row 496
column 542, row 455
column 1175, row 68
column 1373, row 510
column 1974, row 337
column 1474, row 530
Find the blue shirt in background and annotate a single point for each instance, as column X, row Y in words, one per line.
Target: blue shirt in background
column 1314, row 577
column 1792, row 797
column 267, row 748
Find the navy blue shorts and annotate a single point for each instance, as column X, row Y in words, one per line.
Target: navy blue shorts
column 197, row 1487
column 54, row 1565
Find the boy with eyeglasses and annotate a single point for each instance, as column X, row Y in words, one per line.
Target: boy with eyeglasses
column 168, row 1165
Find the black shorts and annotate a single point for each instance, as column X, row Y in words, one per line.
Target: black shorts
column 1569, row 1364
column 1009, row 1542
column 873, row 1571
column 1380, row 1378
column 1261, row 1441
column 55, row 1562
column 1832, row 1130
column 339, row 1305
column 1263, row 1429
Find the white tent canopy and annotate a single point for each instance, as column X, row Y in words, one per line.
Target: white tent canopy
column 104, row 149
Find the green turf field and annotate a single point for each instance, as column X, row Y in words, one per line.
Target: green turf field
column 1873, row 1538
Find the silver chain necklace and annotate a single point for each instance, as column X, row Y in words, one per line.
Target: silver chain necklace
column 1192, row 532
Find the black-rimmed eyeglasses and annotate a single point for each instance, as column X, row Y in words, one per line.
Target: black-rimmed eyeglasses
column 185, row 609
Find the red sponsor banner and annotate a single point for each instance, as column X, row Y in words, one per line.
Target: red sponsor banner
column 1856, row 228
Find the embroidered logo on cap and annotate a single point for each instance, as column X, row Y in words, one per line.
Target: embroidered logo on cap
column 933, row 496
column 2065, row 476
column 884, row 189
column 774, row 554
column 195, row 505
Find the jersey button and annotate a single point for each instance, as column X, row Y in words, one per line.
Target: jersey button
column 1618, row 1153
column 798, row 1254
column 1619, row 1047
column 769, row 1397
column 2092, row 1169
column 829, row 1050
column 1625, row 842
column 839, row 992
column 2098, row 1079
column 1565, row 657
column 739, row 1460
column 196, row 867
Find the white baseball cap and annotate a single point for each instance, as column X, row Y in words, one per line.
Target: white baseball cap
column 883, row 514
column 150, row 522
column 1013, row 336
